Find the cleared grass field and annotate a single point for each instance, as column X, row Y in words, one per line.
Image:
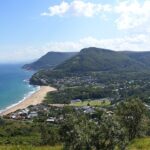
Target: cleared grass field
column 8, row 147
column 91, row 103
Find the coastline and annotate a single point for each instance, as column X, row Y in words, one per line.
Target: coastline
column 36, row 98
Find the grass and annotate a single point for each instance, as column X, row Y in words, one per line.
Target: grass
column 140, row 144
column 9, row 147
column 92, row 103
column 137, row 144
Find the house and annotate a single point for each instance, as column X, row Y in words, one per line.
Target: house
column 51, row 119
column 88, row 109
column 75, row 100
column 23, row 111
column 13, row 116
column 32, row 114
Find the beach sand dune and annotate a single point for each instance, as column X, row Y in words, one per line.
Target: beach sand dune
column 34, row 99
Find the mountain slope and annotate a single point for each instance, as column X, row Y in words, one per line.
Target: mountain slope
column 142, row 57
column 97, row 59
column 100, row 64
column 49, row 60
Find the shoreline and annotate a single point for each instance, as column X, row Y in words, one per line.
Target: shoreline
column 36, row 98
column 27, row 95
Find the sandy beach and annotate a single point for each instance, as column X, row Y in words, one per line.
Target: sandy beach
column 34, row 99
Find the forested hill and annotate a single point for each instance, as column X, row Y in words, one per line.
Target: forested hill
column 143, row 57
column 97, row 59
column 49, row 60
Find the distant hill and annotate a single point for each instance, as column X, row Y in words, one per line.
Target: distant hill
column 110, row 64
column 97, row 59
column 49, row 60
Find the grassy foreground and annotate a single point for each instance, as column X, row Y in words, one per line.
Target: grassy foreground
column 92, row 103
column 140, row 144
column 30, row 148
column 137, row 144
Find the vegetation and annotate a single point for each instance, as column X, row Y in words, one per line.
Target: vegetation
column 81, row 133
column 96, row 59
column 103, row 129
column 132, row 116
column 83, row 93
column 136, row 144
column 140, row 144
column 21, row 147
column 17, row 132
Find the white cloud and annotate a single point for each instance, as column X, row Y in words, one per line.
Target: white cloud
column 134, row 43
column 77, row 8
column 138, row 42
column 57, row 9
column 132, row 14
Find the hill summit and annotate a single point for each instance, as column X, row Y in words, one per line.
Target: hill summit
column 98, row 59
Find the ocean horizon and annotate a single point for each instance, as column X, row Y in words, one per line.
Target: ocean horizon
column 14, row 85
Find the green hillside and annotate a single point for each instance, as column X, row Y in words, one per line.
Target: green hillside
column 49, row 60
column 98, row 64
column 143, row 57
column 97, row 59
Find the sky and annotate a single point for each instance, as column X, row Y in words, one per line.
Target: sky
column 31, row 28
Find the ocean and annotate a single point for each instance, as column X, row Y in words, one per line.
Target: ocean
column 14, row 86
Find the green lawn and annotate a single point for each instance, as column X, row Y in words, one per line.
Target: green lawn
column 91, row 103
column 30, row 148
column 140, row 144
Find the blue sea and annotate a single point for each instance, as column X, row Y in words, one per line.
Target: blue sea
column 14, row 86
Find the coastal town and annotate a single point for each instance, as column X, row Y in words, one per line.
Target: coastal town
column 116, row 91
column 35, row 111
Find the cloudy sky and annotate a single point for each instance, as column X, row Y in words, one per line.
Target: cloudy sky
column 30, row 28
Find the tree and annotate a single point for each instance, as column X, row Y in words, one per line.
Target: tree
column 76, row 132
column 109, row 134
column 49, row 134
column 132, row 115
column 81, row 133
